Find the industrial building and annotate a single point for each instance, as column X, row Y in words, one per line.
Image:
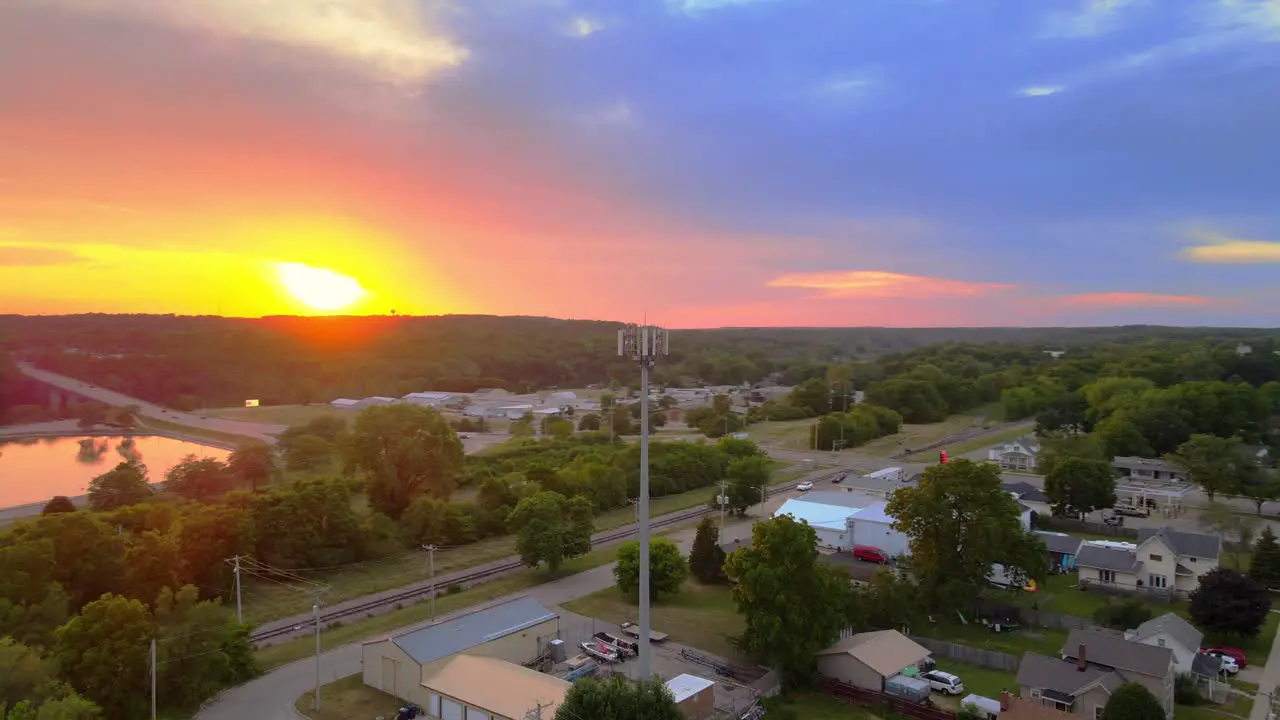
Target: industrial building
column 446, row 667
column 845, row 519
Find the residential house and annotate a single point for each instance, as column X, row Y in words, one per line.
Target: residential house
column 1148, row 469
column 1243, row 349
column 1172, row 632
column 1164, row 561
column 1030, row 496
column 1062, row 548
column 1077, row 687
column 866, row 660
column 1012, row 707
column 1150, row 666
column 1017, row 455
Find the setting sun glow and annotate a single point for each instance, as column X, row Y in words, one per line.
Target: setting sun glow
column 318, row 288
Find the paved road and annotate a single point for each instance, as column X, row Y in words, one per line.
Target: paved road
column 259, row 431
column 1267, row 685
column 271, row 696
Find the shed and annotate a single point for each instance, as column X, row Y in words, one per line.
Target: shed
column 462, row 688
column 695, row 696
column 516, row 631
column 865, row 660
column 1063, row 549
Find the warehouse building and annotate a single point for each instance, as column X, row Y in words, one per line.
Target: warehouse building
column 410, row 665
column 842, row 520
column 466, row 687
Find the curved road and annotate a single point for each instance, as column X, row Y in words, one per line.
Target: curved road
column 265, row 432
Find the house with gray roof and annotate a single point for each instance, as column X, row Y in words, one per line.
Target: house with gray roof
column 1151, row 666
column 1163, row 562
column 1018, row 455
column 1170, row 631
column 1063, row 548
column 1147, row 469
column 1077, row 688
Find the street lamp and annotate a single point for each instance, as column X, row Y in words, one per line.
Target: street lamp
column 644, row 343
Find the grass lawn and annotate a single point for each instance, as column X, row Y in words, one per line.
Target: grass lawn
column 1045, row 641
column 783, row 434
column 274, row 656
column 348, row 698
column 145, row 423
column 700, row 616
column 279, row 414
column 914, row 436
column 986, row 441
column 814, row 707
column 982, row 681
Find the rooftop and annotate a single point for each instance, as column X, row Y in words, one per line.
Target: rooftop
column 1026, row 492
column 1060, row 542
column 1175, row 627
column 885, row 651
column 1184, row 544
column 1141, row 463
column 1115, row 652
column 473, row 679
column 475, row 628
column 1061, row 676
column 686, row 686
column 1107, row 558
column 830, row 516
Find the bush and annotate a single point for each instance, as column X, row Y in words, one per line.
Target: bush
column 1123, row 614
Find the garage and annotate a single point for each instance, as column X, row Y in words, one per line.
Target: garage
column 865, row 660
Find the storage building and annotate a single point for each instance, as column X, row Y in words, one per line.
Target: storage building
column 470, row 687
column 842, row 520
column 866, row 660
column 516, row 631
column 695, row 696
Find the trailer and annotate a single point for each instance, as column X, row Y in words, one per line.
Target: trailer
column 625, row 647
column 655, row 637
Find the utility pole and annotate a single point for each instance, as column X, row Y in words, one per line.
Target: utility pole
column 535, row 712
column 431, row 573
column 644, row 343
column 315, row 612
column 723, row 502
column 153, row 679
column 239, row 613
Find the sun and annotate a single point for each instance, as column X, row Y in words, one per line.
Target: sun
column 318, row 288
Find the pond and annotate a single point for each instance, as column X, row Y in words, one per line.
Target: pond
column 32, row 470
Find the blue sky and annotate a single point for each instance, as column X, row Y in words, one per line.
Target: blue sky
column 869, row 162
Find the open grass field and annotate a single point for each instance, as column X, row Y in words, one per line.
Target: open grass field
column 274, row 656
column 963, row 448
column 700, row 616
column 194, row 432
column 346, row 699
column 1041, row 640
column 279, row 414
column 783, row 434
column 914, row 436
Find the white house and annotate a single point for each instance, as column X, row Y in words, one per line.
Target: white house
column 842, row 520
column 1170, row 631
column 1019, row 454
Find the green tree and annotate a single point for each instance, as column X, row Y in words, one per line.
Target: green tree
column 960, row 522
column 307, row 523
column 813, row 394
column 1260, row 486
column 404, row 451
column 550, row 529
column 1080, row 485
column 200, row 479
column 589, row 422
column 706, row 558
column 1264, row 566
column 306, row 453
column 253, row 464
column 58, row 504
column 746, row 480
column 667, row 568
column 558, row 428
column 103, row 654
column 1229, row 603
column 917, row 401
column 1132, row 701
column 126, row 484
column 1212, row 462
column 618, row 698
column 775, row 581
column 203, row 649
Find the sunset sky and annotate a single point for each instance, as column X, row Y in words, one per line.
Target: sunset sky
column 698, row 162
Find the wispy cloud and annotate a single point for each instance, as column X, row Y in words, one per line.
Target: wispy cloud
column 618, row 113
column 882, row 285
column 848, row 85
column 1134, row 300
column 1041, row 90
column 400, row 40
column 694, row 8
column 36, row 256
column 1091, row 19
column 582, row 26
column 1223, row 249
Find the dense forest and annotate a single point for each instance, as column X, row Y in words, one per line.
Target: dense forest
column 213, row 361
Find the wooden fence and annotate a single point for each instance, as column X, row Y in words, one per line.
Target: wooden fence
column 887, row 704
column 993, row 659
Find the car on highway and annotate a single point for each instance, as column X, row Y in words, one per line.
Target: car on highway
column 805, row 486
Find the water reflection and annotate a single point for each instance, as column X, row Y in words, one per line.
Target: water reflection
column 32, row 470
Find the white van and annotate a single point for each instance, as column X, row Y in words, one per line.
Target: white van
column 943, row 682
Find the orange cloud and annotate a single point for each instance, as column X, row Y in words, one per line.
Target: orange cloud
column 885, row 285
column 1136, row 299
column 1223, row 249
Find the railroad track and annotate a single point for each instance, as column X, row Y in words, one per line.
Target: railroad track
column 483, row 574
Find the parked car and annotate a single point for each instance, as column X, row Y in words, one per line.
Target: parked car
column 1131, row 511
column 838, row 479
column 805, row 486
column 943, row 682
column 1234, row 653
column 1229, row 666
column 868, row 553
column 1113, row 520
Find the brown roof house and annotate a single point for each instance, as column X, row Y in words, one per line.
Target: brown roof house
column 1164, row 562
column 1093, row 664
column 866, row 659
column 1013, row 707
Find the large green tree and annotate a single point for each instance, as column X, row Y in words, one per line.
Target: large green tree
column 1214, row 463
column 618, row 698
column 551, row 528
column 1264, row 565
column 102, row 652
column 125, row 484
column 960, row 522
column 706, row 558
column 775, row 583
column 1132, row 701
column 1080, row 485
column 747, row 479
column 1229, row 603
column 253, row 465
column 667, row 568
column 196, row 478
column 404, row 451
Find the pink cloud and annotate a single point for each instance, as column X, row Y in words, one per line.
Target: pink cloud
column 1136, row 300
column 879, row 284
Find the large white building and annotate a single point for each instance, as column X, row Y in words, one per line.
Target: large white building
column 843, row 520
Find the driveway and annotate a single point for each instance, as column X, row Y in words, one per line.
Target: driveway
column 259, row 431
